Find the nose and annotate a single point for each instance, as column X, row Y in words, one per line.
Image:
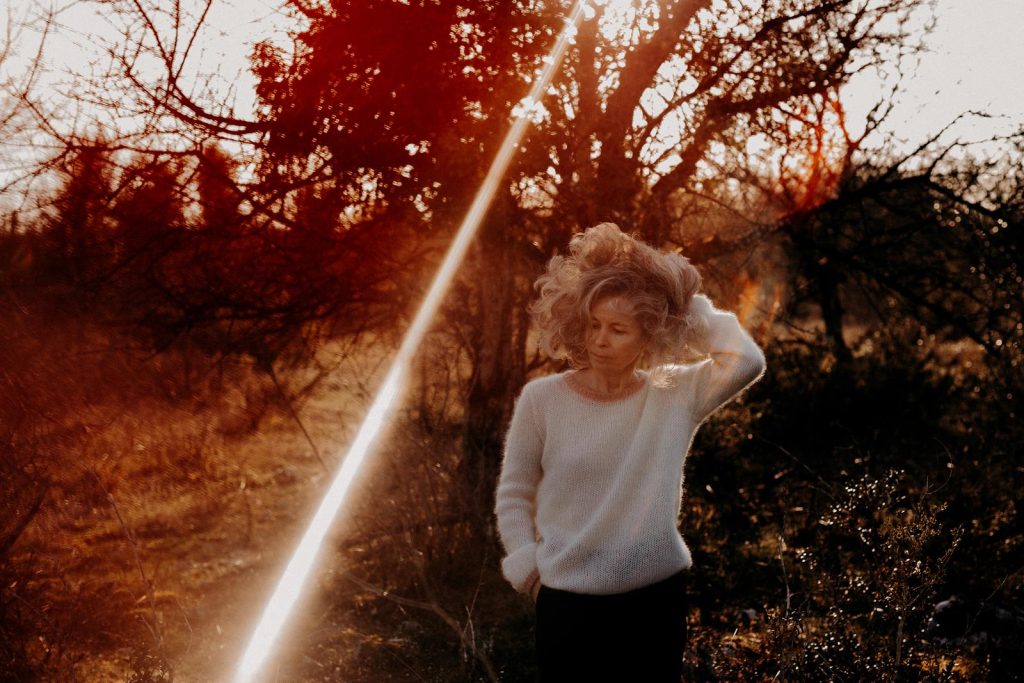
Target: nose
column 600, row 337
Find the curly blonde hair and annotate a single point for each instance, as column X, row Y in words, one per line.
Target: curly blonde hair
column 603, row 261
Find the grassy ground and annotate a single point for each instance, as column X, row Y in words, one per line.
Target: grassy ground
column 175, row 489
column 168, row 503
column 171, row 506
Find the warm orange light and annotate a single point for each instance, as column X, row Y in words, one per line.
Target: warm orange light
column 812, row 164
column 298, row 569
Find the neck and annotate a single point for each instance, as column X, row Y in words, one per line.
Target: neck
column 606, row 381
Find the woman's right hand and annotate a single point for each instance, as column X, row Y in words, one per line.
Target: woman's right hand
column 532, row 584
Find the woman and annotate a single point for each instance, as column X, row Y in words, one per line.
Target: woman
column 589, row 496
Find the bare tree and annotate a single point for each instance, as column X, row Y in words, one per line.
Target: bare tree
column 375, row 121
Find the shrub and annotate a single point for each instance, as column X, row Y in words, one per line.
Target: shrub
column 859, row 599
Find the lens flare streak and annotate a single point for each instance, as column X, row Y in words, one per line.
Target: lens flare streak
column 290, row 585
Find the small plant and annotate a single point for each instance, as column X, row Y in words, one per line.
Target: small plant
column 864, row 592
column 147, row 667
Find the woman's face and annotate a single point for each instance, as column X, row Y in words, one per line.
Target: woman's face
column 615, row 339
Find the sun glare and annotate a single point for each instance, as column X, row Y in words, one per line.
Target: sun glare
column 290, row 585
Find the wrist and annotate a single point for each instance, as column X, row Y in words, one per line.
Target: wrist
column 532, row 580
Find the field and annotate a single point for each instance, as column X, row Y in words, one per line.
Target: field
column 161, row 495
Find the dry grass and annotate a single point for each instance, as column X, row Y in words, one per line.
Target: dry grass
column 174, row 487
column 169, row 483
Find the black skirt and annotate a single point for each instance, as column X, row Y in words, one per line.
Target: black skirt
column 638, row 635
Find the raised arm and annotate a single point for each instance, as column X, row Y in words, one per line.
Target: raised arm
column 736, row 360
column 516, row 494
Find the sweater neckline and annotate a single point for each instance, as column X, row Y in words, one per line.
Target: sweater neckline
column 580, row 388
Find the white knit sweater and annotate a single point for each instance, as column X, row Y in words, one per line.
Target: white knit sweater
column 590, row 490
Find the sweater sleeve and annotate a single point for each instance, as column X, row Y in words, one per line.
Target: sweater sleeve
column 516, row 494
column 736, row 360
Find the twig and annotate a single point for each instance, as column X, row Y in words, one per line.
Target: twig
column 827, row 488
column 295, row 416
column 981, row 607
column 430, row 606
column 785, row 576
column 154, row 629
column 23, row 523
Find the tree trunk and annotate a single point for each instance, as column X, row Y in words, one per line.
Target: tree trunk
column 827, row 285
column 498, row 361
column 819, row 266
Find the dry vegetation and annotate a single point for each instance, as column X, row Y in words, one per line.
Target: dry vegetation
column 152, row 498
column 185, row 347
column 143, row 492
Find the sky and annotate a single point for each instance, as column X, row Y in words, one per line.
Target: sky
column 974, row 61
